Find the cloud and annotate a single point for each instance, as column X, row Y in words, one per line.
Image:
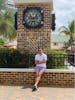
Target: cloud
column 65, row 12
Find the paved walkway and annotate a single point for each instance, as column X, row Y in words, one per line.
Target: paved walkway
column 43, row 93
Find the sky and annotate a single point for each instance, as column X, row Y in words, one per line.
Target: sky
column 64, row 11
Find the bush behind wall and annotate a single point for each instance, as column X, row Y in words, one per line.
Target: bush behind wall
column 13, row 58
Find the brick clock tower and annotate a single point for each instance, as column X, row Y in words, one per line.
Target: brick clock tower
column 34, row 20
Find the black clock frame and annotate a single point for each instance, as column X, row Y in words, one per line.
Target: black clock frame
column 42, row 17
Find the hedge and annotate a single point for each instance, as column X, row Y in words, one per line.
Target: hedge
column 12, row 58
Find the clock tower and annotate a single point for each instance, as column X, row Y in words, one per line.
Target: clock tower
column 34, row 21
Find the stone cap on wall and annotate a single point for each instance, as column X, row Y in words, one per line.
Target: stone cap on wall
column 32, row 1
column 32, row 70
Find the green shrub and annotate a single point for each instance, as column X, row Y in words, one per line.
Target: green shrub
column 22, row 59
column 54, row 51
column 56, row 57
column 13, row 58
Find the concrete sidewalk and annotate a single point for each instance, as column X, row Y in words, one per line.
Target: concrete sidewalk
column 43, row 93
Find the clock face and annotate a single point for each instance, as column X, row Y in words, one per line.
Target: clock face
column 33, row 17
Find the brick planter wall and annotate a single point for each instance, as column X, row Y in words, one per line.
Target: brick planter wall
column 54, row 78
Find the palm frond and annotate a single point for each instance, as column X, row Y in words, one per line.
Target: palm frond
column 72, row 27
column 2, row 4
column 7, row 29
column 70, row 30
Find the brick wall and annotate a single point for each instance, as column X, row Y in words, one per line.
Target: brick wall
column 31, row 39
column 27, row 77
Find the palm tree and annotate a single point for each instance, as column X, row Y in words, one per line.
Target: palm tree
column 70, row 30
column 2, row 4
column 7, row 22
